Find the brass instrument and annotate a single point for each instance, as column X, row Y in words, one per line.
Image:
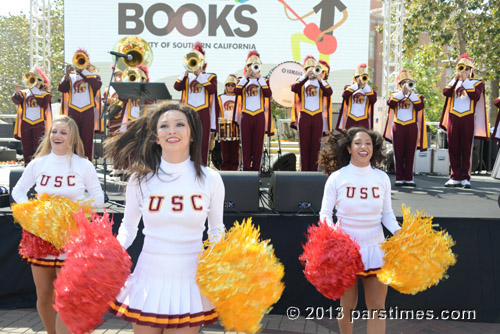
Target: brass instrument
column 255, row 67
column 318, row 69
column 115, row 106
column 461, row 68
column 411, row 85
column 193, row 61
column 138, row 48
column 133, row 74
column 364, row 78
column 31, row 80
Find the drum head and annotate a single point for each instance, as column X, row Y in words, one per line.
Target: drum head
column 281, row 79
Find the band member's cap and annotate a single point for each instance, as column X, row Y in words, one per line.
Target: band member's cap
column 362, row 69
column 42, row 76
column 144, row 72
column 326, row 67
column 253, row 57
column 465, row 59
column 309, row 62
column 117, row 71
column 404, row 75
column 231, row 79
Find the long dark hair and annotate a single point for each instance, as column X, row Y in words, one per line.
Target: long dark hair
column 335, row 155
column 136, row 150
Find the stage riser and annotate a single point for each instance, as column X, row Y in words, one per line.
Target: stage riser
column 472, row 284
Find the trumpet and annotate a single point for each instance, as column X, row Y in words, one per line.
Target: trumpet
column 255, row 67
column 364, row 78
column 193, row 61
column 411, row 85
column 460, row 68
column 318, row 69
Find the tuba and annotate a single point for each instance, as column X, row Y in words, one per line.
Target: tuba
column 138, row 48
column 193, row 61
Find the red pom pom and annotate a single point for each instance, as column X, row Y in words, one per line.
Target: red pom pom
column 94, row 272
column 198, row 46
column 35, row 247
column 362, row 66
column 331, row 259
column 253, row 53
column 82, row 51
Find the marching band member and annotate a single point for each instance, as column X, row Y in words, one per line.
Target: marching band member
column 81, row 90
column 230, row 149
column 114, row 105
column 312, row 102
column 253, row 112
column 199, row 91
column 34, row 115
column 496, row 132
column 132, row 108
column 358, row 102
column 405, row 127
column 464, row 118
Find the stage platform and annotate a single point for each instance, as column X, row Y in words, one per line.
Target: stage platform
column 471, row 216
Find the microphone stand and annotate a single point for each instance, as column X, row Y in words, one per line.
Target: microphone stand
column 106, row 133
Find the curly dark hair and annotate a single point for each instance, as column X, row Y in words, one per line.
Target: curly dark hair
column 136, row 150
column 335, row 155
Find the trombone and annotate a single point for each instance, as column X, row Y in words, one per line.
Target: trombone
column 193, row 61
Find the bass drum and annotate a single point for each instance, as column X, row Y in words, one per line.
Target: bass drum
column 281, row 79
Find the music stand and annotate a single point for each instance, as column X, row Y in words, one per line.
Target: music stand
column 136, row 90
column 142, row 90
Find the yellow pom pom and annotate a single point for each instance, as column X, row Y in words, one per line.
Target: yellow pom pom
column 241, row 276
column 49, row 217
column 418, row 256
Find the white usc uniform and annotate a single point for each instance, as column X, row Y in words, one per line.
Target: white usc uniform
column 174, row 205
column 362, row 196
column 64, row 175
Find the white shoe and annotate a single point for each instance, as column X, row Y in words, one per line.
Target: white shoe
column 399, row 183
column 452, row 183
column 465, row 184
column 410, row 184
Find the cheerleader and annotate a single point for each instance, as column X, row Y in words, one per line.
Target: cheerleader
column 174, row 194
column 361, row 193
column 59, row 168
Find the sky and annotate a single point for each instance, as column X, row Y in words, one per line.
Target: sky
column 14, row 7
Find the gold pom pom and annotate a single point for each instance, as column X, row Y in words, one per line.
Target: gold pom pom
column 49, row 217
column 418, row 256
column 241, row 276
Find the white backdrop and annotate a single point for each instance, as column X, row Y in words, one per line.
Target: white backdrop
column 228, row 28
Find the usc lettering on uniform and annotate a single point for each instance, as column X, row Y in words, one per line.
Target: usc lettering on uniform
column 364, row 192
column 176, row 202
column 58, row 180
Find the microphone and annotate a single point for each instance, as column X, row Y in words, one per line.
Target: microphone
column 118, row 54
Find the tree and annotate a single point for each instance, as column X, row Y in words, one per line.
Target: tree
column 447, row 29
column 15, row 53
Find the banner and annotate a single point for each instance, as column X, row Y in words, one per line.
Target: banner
column 228, row 29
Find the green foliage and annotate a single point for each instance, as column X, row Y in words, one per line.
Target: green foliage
column 451, row 27
column 15, row 53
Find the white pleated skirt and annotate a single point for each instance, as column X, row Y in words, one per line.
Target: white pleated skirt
column 162, row 292
column 369, row 239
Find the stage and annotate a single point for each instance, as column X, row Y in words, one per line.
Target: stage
column 471, row 216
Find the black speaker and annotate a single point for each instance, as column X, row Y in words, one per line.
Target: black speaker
column 14, row 176
column 242, row 191
column 287, row 162
column 297, row 191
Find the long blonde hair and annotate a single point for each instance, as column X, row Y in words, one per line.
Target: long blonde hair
column 75, row 142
